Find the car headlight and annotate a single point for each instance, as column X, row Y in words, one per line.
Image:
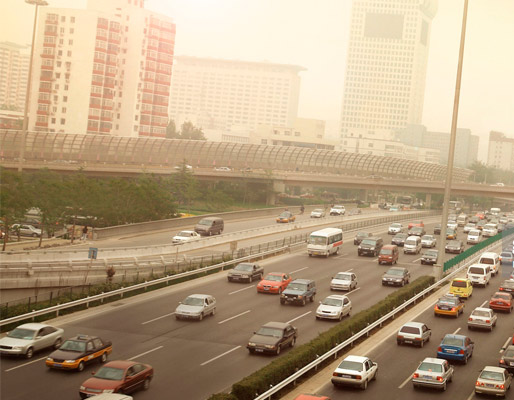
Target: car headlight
column 70, row 361
column 50, row 359
column 251, row 344
column 398, row 280
column 108, row 391
column 372, row 248
column 275, row 287
column 282, row 295
column 269, row 346
column 359, row 247
column 82, row 388
column 17, row 347
column 300, row 296
column 245, row 276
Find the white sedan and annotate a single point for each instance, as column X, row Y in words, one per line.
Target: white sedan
column 395, row 228
column 334, row 307
column 317, row 213
column 489, row 230
column 482, row 318
column 428, row 241
column 185, row 236
column 355, row 371
column 222, row 169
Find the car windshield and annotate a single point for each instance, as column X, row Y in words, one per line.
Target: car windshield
column 352, row 365
column 448, row 301
column 22, row 333
column 386, row 252
column 416, row 229
column 474, row 233
column 266, row 331
column 452, row 341
column 317, row 240
column 502, row 296
column 297, row 286
column 362, row 234
column 243, row 267
column 431, row 253
column 184, row 234
column 450, row 231
column 337, row 208
column 492, row 375
column 317, row 210
column 73, row 345
column 430, row 367
column 481, row 313
column 332, row 302
column 454, row 243
column 343, row 277
column 205, row 222
column 274, row 278
column 369, row 241
column 459, row 284
column 395, row 272
column 410, row 329
column 400, row 236
column 509, row 353
column 485, row 260
column 427, row 237
column 193, row 301
column 396, row 225
column 507, row 284
column 285, row 214
column 109, row 373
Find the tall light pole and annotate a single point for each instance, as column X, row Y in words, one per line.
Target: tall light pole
column 449, row 171
column 37, row 3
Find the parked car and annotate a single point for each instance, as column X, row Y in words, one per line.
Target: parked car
column 507, row 359
column 433, row 373
column 461, row 287
column 482, row 318
column 370, row 246
column 78, row 351
column 26, row 339
column 449, row 305
column 415, row 333
column 389, row 254
column 196, row 306
column 454, row 246
column 501, row 301
column 299, row 291
column 437, row 229
column 355, row 371
column 118, row 377
column 507, row 286
column 25, row 230
column 334, row 307
column 344, row 281
column 337, row 210
column 456, row 347
column 428, row 241
column 416, row 223
column 493, row 380
column 416, row 231
column 274, row 282
column 317, row 213
column 429, row 257
column 395, row 228
column 360, row 236
column 185, row 236
column 399, row 239
column 245, row 272
column 272, row 338
column 396, row 276
column 286, row 217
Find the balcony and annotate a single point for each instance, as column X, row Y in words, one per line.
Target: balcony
column 105, row 130
column 43, row 55
column 51, row 21
column 42, row 124
column 42, row 112
column 47, row 67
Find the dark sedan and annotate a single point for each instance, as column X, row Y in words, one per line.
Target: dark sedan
column 396, row 276
column 507, row 359
column 507, row 286
column 399, row 239
column 360, row 236
column 454, row 246
column 118, row 377
column 437, row 229
column 272, row 338
column 429, row 257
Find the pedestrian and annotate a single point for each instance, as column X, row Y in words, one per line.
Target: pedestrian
column 84, row 232
column 302, row 209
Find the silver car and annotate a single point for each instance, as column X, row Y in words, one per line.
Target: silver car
column 344, row 281
column 185, row 236
column 493, row 380
column 482, row 318
column 395, row 228
column 428, row 241
column 196, row 306
column 334, row 307
column 433, row 372
column 317, row 213
column 415, row 333
column 26, row 230
column 28, row 338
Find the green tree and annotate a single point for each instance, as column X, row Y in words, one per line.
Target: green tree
column 184, row 186
column 189, row 131
column 171, row 131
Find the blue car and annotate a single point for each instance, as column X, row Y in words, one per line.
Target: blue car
column 456, row 347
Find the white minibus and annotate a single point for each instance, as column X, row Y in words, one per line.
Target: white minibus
column 325, row 242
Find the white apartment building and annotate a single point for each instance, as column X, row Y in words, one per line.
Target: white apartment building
column 14, row 71
column 501, row 151
column 386, row 64
column 105, row 70
column 227, row 95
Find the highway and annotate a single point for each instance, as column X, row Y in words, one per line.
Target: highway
column 185, row 353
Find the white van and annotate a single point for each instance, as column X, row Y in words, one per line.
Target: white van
column 492, row 260
column 462, row 220
column 412, row 245
column 325, row 242
column 479, row 274
column 474, row 236
column 495, row 211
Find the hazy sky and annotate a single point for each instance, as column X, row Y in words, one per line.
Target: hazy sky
column 314, row 34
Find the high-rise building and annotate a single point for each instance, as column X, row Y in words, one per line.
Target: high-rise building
column 386, row 64
column 14, row 71
column 231, row 95
column 501, row 151
column 105, row 69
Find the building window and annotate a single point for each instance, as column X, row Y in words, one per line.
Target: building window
column 63, row 121
column 72, row 20
column 65, row 99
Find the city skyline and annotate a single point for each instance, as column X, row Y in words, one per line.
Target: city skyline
column 293, row 32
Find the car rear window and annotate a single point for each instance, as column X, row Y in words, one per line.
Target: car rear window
column 486, row 260
column 459, row 284
column 480, row 313
column 386, row 252
column 452, row 341
column 430, row 367
column 352, row 365
column 410, row 329
column 476, row 270
column 494, row 376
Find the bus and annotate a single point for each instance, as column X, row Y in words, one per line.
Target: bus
column 325, row 242
column 405, row 201
column 455, row 205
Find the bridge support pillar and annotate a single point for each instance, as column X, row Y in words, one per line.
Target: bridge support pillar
column 277, row 187
column 428, row 200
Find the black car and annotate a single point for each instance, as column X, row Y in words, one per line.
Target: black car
column 245, row 272
column 399, row 239
column 272, row 338
column 396, row 276
column 360, row 236
column 437, row 229
column 417, row 231
column 429, row 257
column 507, row 359
column 507, row 286
column 77, row 351
column 370, row 246
column 454, row 246
column 299, row 291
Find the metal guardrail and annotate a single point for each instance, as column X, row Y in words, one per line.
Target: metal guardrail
column 378, row 323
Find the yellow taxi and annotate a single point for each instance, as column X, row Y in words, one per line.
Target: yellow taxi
column 449, row 305
column 461, row 287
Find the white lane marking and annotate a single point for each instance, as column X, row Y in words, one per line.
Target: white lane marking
column 454, row 333
column 221, row 355
column 235, row 316
column 405, row 382
column 483, row 304
column 375, row 260
column 298, row 270
column 341, row 255
column 471, row 395
column 303, row 315
column 22, row 365
column 240, row 290
column 349, row 270
column 145, row 353
column 352, row 291
column 155, row 319
column 416, row 260
column 506, row 343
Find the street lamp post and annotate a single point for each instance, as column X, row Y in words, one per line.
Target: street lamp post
column 37, row 3
column 438, row 270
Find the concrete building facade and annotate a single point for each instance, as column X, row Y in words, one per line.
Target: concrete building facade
column 105, row 69
column 501, row 151
column 14, row 72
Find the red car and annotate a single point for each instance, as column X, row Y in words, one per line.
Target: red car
column 274, row 282
column 416, row 223
column 501, row 301
column 118, row 377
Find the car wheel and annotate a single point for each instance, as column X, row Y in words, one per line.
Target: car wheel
column 146, row 384
column 422, row 344
column 364, row 385
column 293, row 342
column 34, row 235
column 103, row 358
column 213, row 311
column 251, row 351
column 465, row 361
column 399, row 342
column 277, row 352
column 416, row 387
column 200, row 317
column 403, row 283
column 375, row 376
column 29, row 353
column 57, row 343
column 310, row 255
column 80, row 368
column 444, row 387
column 337, row 251
column 340, row 317
column 279, row 291
column 303, row 301
column 312, row 299
column 282, row 301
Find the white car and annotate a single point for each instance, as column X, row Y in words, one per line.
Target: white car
column 196, row 306
column 187, row 167
column 489, row 230
column 185, row 236
column 337, row 210
column 334, row 307
column 26, row 230
column 482, row 318
column 344, row 281
column 415, row 333
column 433, row 372
column 355, row 371
column 395, row 228
column 29, row 338
column 317, row 213
column 493, row 380
column 474, row 236
column 468, row 227
column 452, row 224
column 428, row 241
column 222, row 169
